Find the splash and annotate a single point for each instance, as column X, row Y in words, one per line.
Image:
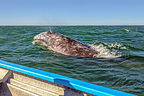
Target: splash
column 107, row 50
column 49, row 28
column 116, row 45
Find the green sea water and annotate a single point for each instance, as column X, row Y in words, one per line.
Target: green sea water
column 121, row 48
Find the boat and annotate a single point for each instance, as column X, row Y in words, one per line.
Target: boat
column 19, row 80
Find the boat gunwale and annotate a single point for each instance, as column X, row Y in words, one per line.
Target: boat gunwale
column 63, row 80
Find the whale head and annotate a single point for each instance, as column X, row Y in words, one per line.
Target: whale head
column 42, row 39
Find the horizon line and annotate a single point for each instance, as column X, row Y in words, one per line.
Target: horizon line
column 71, row 24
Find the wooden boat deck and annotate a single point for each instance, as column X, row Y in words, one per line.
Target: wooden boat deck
column 18, row 84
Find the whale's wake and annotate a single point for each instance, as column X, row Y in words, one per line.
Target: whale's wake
column 105, row 52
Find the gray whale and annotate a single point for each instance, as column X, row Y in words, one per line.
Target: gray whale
column 63, row 44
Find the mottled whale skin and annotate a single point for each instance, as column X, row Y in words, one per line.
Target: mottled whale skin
column 64, row 45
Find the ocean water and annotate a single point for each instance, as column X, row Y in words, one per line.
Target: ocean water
column 121, row 62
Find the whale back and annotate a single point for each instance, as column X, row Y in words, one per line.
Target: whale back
column 64, row 45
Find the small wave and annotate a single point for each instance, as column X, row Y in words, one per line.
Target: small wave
column 126, row 30
column 108, row 50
